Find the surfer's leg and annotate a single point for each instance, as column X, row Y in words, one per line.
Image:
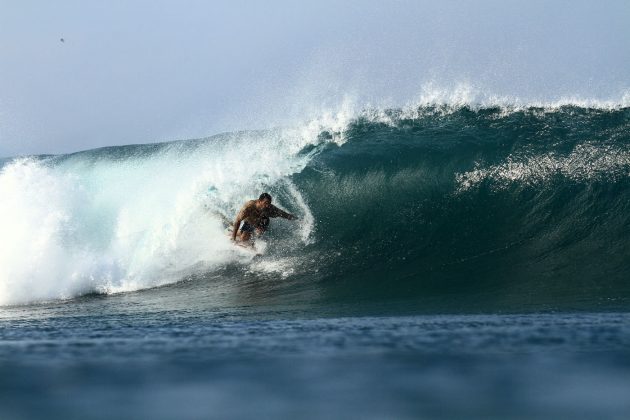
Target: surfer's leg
column 246, row 232
column 245, row 236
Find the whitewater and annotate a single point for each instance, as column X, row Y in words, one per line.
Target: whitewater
column 125, row 218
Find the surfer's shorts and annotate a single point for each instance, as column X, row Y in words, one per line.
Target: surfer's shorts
column 246, row 227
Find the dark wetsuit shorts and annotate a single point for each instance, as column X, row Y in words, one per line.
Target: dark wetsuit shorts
column 246, row 227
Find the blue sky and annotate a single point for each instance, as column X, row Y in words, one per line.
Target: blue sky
column 146, row 71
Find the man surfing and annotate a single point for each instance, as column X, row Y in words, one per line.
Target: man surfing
column 255, row 216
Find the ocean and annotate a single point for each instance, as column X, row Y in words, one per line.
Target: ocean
column 449, row 261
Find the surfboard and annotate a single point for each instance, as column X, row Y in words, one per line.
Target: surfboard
column 229, row 228
column 248, row 248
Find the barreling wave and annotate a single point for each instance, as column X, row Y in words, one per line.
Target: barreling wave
column 527, row 207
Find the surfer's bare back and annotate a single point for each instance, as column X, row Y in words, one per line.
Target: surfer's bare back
column 255, row 216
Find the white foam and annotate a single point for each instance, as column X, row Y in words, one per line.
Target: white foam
column 81, row 225
column 586, row 162
column 437, row 99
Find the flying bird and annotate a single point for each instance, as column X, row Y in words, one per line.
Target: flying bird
column 62, row 40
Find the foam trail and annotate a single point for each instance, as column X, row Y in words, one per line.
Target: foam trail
column 585, row 162
column 307, row 222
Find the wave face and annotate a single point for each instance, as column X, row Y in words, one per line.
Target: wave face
column 450, row 207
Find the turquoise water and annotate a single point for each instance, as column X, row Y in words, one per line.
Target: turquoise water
column 447, row 262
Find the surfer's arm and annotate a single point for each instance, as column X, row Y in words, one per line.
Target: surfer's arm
column 276, row 212
column 237, row 224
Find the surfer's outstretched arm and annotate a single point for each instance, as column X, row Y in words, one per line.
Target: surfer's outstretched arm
column 276, row 212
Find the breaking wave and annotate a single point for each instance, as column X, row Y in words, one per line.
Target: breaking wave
column 523, row 205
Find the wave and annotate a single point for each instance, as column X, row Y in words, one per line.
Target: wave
column 527, row 206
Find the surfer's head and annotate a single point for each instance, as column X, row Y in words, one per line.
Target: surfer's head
column 264, row 201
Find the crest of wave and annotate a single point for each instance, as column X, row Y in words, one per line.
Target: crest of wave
column 437, row 99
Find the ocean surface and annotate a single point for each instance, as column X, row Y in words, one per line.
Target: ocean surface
column 449, row 261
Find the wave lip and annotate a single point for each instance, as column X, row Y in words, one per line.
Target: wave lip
column 468, row 95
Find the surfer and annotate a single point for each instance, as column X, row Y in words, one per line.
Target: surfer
column 255, row 216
